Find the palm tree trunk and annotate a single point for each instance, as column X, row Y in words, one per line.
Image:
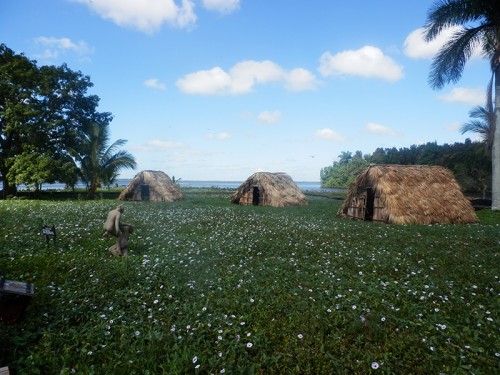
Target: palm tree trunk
column 495, row 156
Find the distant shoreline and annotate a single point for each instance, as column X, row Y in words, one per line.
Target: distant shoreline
column 123, row 182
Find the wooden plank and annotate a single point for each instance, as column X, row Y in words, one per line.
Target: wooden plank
column 16, row 287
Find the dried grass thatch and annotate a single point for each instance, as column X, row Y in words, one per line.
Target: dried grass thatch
column 269, row 189
column 152, row 186
column 407, row 194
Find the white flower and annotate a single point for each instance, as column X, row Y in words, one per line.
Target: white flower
column 375, row 365
column 222, row 371
column 300, row 336
column 249, row 345
column 137, row 333
column 155, row 301
column 197, row 367
column 382, row 319
column 89, row 352
column 353, row 307
column 195, row 359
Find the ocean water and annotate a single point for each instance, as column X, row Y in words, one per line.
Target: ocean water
column 303, row 185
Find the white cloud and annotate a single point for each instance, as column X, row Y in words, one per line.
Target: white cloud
column 242, row 78
column 368, row 62
column 416, row 47
column 222, row 6
column 380, row 130
column 465, row 96
column 269, row 117
column 300, row 79
column 145, row 15
column 54, row 47
column 327, row 133
column 158, row 144
column 222, row 136
column 154, row 83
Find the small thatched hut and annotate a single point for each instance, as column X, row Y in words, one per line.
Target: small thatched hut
column 407, row 194
column 151, row 186
column 269, row 189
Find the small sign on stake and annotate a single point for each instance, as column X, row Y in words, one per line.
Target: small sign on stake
column 49, row 232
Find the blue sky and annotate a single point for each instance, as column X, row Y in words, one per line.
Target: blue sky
column 221, row 89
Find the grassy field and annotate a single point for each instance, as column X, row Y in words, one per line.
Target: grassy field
column 212, row 288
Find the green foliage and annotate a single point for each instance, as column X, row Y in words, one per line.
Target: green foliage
column 477, row 24
column 341, row 174
column 33, row 170
column 210, row 286
column 46, row 113
column 100, row 162
column 468, row 161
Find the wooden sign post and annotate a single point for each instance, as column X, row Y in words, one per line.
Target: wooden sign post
column 14, row 297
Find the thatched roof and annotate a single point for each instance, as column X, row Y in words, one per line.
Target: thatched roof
column 153, row 186
column 407, row 194
column 269, row 189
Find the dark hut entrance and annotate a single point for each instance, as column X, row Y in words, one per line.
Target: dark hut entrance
column 365, row 206
column 255, row 196
column 145, row 192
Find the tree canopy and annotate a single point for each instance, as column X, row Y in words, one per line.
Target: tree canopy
column 468, row 161
column 478, row 25
column 45, row 115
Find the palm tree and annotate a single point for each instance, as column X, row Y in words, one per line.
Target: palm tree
column 483, row 122
column 98, row 162
column 480, row 26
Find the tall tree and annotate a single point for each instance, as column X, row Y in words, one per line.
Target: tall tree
column 18, row 88
column 479, row 22
column 483, row 120
column 99, row 161
column 44, row 113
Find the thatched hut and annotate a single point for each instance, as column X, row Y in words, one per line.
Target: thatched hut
column 407, row 194
column 269, row 189
column 151, row 186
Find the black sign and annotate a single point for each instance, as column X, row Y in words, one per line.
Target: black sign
column 49, row 232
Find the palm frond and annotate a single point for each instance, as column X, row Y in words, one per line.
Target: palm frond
column 449, row 63
column 446, row 13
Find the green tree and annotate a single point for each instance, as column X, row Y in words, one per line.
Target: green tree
column 18, row 85
column 42, row 110
column 483, row 121
column 479, row 22
column 341, row 174
column 34, row 169
column 98, row 162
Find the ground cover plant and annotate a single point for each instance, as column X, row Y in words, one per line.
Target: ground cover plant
column 210, row 288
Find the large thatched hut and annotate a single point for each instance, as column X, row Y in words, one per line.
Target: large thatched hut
column 151, row 186
column 407, row 194
column 269, row 189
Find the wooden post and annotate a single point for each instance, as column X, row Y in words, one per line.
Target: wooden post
column 14, row 298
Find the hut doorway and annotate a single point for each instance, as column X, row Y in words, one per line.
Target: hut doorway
column 370, row 203
column 362, row 206
column 145, row 192
column 255, row 196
